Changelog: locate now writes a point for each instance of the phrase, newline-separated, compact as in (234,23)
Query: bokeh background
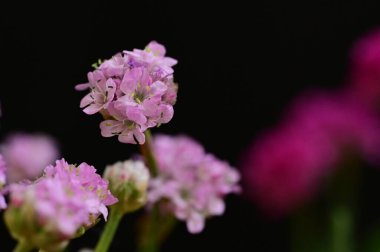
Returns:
(240,64)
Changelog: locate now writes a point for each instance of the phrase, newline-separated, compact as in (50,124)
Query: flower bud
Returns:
(128,181)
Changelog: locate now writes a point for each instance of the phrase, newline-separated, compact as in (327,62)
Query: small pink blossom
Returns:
(100,96)
(153,58)
(27,155)
(194,182)
(133,91)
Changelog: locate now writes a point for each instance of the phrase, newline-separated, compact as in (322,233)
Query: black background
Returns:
(239,65)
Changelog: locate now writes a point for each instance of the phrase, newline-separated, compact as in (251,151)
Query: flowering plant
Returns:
(173,178)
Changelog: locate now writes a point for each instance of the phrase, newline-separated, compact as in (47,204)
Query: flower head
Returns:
(27,155)
(84,177)
(134,91)
(193,181)
(129,183)
(56,207)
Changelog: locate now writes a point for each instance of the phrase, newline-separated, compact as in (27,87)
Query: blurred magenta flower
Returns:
(286,166)
(2,182)
(348,125)
(193,182)
(134,91)
(365,68)
(26,155)
(283,169)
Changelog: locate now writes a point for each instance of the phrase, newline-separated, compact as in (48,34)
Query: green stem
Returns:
(341,229)
(109,230)
(147,152)
(151,241)
(22,246)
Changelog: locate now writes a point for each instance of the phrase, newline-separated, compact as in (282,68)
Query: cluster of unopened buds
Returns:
(133,91)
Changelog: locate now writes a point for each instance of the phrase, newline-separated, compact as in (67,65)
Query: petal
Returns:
(196,223)
(167,113)
(136,115)
(156,48)
(129,83)
(93,108)
(3,204)
(151,107)
(127,137)
(111,128)
(158,88)
(216,206)
(82,86)
(169,61)
(104,211)
(139,136)
(87,100)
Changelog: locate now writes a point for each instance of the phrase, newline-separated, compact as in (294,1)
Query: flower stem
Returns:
(341,229)
(22,246)
(146,150)
(109,230)
(151,244)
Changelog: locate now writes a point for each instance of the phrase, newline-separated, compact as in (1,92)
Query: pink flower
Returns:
(66,200)
(153,58)
(127,131)
(100,96)
(3,204)
(49,212)
(134,91)
(365,68)
(286,167)
(27,155)
(85,178)
(194,182)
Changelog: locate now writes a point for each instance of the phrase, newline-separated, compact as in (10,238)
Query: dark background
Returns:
(239,66)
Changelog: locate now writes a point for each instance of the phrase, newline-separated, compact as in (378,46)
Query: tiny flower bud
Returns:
(128,181)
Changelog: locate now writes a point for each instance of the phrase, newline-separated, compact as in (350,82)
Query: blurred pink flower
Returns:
(85,177)
(26,155)
(194,182)
(2,182)
(48,212)
(285,167)
(57,207)
(365,68)
(133,90)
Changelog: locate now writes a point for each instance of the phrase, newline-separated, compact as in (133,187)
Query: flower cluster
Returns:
(129,183)
(285,167)
(2,182)
(84,177)
(134,91)
(53,209)
(193,181)
(27,155)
